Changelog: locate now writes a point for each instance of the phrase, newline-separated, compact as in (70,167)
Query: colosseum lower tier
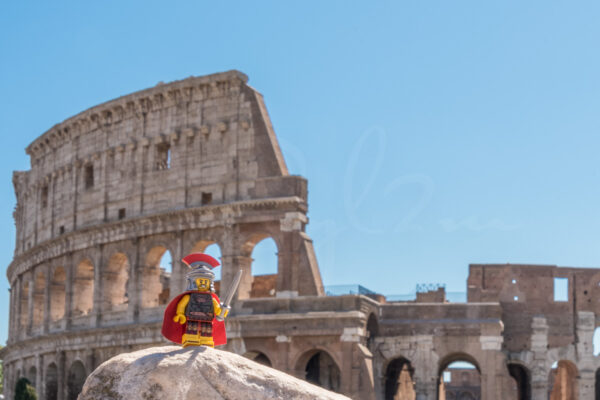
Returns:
(185,165)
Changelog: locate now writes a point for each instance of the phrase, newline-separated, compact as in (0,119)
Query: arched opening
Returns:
(51,382)
(562,381)
(322,370)
(598,384)
(155,280)
(372,329)
(522,381)
(83,288)
(75,380)
(32,376)
(596,341)
(24,305)
(57,294)
(264,268)
(264,257)
(459,378)
(258,357)
(399,384)
(39,292)
(166,268)
(114,283)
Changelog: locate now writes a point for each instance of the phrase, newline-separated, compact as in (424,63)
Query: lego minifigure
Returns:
(195,317)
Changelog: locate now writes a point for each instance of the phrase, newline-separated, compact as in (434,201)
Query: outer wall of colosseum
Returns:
(184,165)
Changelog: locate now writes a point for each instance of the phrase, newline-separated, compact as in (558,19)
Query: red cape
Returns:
(174,330)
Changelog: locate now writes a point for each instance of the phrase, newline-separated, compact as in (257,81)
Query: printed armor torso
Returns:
(200,307)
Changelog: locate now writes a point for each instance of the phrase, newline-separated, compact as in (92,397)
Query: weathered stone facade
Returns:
(184,165)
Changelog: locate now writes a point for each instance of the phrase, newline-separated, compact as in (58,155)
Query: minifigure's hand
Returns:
(179,318)
(225,311)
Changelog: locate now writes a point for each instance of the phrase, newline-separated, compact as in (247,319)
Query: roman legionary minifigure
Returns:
(195,317)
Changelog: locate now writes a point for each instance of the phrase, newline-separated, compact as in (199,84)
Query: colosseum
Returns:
(185,165)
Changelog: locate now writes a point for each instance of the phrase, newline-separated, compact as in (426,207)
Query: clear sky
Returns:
(433,134)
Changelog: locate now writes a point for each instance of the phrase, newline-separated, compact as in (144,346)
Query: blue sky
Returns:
(433,134)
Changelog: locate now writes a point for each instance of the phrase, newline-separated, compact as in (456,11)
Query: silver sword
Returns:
(232,289)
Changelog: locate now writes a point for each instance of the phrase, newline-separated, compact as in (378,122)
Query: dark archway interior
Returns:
(262,359)
(372,329)
(598,384)
(399,384)
(323,371)
(75,380)
(51,383)
(521,376)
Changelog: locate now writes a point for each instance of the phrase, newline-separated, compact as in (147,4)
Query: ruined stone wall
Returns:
(528,290)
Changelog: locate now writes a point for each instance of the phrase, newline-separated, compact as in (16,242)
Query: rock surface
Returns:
(171,372)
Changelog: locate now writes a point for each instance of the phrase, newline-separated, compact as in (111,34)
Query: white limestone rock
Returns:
(194,373)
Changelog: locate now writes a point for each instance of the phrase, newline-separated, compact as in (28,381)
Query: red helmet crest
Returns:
(194,260)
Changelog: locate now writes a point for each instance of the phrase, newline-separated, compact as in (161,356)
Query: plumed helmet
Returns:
(201,266)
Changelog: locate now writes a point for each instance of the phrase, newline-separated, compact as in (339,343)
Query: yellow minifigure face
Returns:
(203,284)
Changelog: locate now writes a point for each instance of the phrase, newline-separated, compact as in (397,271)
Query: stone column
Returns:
(133,289)
(177,284)
(62,375)
(70,272)
(346,367)
(30,304)
(90,361)
(39,384)
(12,313)
(426,368)
(17,320)
(47,291)
(539,347)
(298,271)
(98,287)
(586,323)
(281,359)
(234,258)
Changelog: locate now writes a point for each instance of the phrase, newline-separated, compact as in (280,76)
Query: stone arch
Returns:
(58,294)
(83,288)
(457,357)
(39,296)
(75,379)
(372,329)
(264,256)
(155,281)
(459,375)
(260,261)
(115,278)
(259,357)
(319,367)
(522,378)
(24,306)
(51,387)
(398,380)
(32,375)
(562,381)
(263,265)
